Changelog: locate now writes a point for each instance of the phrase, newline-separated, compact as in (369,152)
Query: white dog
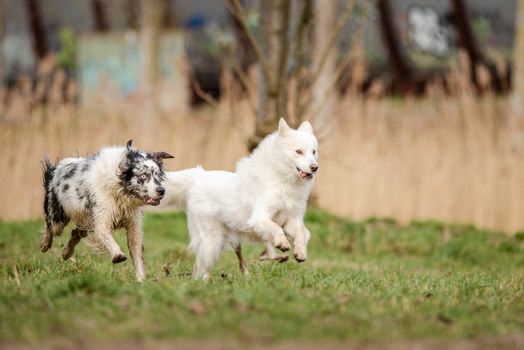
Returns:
(100,194)
(264,200)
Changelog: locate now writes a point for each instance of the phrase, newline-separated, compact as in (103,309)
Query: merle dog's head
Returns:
(141,174)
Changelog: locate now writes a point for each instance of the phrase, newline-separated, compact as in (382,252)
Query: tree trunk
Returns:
(274,27)
(467,39)
(99,15)
(37,28)
(324,13)
(518,61)
(2,32)
(152,16)
(131,13)
(402,72)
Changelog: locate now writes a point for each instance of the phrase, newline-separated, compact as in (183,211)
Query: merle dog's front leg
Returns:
(135,242)
(103,236)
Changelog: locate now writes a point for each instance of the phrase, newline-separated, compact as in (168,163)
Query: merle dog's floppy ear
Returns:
(283,128)
(129,144)
(306,126)
(159,156)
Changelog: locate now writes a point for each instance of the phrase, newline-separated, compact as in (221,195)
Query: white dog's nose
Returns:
(313,167)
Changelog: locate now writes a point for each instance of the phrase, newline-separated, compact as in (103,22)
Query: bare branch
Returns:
(342,65)
(305,19)
(333,40)
(202,94)
(244,80)
(236,10)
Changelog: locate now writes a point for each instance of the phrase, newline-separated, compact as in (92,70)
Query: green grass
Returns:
(363,281)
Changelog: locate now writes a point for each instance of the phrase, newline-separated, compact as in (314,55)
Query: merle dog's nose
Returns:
(160,191)
(313,167)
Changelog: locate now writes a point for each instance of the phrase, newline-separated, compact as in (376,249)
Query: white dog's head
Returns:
(299,149)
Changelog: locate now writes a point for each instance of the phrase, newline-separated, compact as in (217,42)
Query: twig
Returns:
(231,63)
(16,274)
(244,80)
(202,94)
(236,10)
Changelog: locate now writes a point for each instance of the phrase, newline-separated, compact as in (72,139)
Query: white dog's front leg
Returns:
(300,234)
(135,242)
(269,232)
(266,229)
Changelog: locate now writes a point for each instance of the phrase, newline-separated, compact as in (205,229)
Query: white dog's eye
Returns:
(314,151)
(299,151)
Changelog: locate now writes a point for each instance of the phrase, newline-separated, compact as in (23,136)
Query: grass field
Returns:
(364,282)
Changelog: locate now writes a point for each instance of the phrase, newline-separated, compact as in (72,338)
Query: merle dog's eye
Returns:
(299,151)
(143,177)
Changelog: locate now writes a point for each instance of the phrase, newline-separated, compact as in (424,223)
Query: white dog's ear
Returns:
(306,126)
(283,128)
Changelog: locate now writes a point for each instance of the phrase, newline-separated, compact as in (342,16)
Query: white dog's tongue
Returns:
(303,174)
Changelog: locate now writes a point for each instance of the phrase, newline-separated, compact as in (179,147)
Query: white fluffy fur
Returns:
(264,200)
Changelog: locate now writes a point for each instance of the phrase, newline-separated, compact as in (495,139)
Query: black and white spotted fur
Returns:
(100,194)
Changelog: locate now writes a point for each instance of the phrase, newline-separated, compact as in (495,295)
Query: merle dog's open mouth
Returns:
(153,201)
(302,174)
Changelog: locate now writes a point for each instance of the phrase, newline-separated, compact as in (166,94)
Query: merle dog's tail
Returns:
(177,184)
(48,169)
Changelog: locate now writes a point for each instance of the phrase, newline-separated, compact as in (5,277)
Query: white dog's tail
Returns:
(177,184)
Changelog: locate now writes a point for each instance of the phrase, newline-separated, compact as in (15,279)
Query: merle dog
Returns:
(100,194)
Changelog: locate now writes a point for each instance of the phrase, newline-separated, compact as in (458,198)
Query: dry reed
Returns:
(456,158)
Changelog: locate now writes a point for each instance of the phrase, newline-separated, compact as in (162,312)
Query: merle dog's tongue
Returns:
(152,201)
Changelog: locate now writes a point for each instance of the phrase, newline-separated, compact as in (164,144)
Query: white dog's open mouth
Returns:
(303,175)
(153,201)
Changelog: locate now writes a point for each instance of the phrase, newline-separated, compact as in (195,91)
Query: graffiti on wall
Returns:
(114,59)
(426,31)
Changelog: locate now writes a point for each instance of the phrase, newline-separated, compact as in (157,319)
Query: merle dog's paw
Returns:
(119,258)
(68,252)
(46,244)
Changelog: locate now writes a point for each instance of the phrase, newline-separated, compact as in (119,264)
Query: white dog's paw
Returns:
(201,277)
(282,243)
(279,258)
(140,279)
(300,257)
